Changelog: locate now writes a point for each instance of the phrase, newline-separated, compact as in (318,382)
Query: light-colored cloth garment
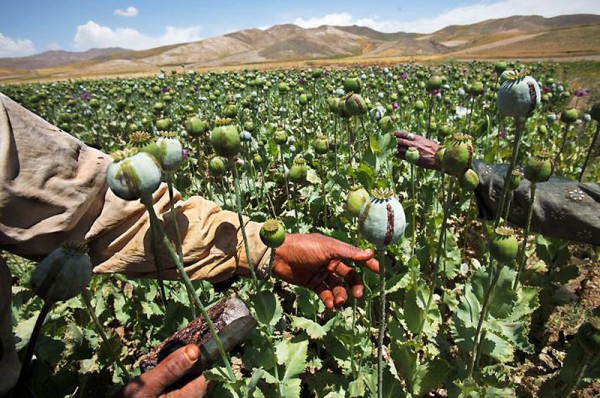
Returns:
(52,189)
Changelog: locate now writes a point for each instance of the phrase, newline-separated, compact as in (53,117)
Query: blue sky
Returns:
(33,26)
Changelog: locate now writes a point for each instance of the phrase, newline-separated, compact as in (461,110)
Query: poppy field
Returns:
(466,305)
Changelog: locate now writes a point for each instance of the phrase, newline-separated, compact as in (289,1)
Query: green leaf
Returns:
(554,252)
(290,388)
(267,308)
(504,297)
(217,374)
(313,329)
(293,356)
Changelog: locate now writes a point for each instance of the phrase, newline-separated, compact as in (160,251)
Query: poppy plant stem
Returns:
(157,225)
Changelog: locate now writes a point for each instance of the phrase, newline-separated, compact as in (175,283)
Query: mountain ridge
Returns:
(516,36)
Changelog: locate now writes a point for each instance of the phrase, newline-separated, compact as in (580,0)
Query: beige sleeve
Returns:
(53,189)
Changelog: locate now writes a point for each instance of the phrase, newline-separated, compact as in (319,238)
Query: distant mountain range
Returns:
(567,36)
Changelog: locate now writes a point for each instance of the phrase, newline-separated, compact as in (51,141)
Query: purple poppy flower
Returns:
(301,81)
(404,76)
(166,89)
(185,154)
(85,96)
(435,91)
(502,133)
(395,105)
(581,93)
(546,89)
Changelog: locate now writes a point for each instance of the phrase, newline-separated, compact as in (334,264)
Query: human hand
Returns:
(314,261)
(156,382)
(427,148)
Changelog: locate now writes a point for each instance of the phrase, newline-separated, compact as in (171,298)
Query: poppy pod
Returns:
(503,245)
(63,274)
(412,155)
(353,85)
(382,220)
(356,199)
(272,233)
(458,155)
(196,126)
(133,175)
(170,151)
(355,105)
(225,139)
(519,95)
(298,171)
(539,168)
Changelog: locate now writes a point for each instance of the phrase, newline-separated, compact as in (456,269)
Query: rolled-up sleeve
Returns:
(54,190)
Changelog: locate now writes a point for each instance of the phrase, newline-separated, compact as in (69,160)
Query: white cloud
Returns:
(336,19)
(93,35)
(53,46)
(10,47)
(459,16)
(128,12)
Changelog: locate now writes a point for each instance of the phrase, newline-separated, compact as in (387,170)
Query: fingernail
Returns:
(192,352)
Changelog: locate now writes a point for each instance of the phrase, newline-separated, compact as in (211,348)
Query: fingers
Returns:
(341,250)
(174,367)
(325,295)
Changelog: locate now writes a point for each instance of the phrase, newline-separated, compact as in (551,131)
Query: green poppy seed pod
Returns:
(272,233)
(132,175)
(504,76)
(458,155)
(503,245)
(518,96)
(196,126)
(226,140)
(475,89)
(298,171)
(249,126)
(217,166)
(143,142)
(163,124)
(94,103)
(589,335)
(303,99)
(515,180)
(355,105)
(439,155)
(412,155)
(500,67)
(356,199)
(539,167)
(283,88)
(257,159)
(433,83)
(62,274)
(321,145)
(352,85)
(419,106)
(333,103)
(230,110)
(569,115)
(317,73)
(469,180)
(595,112)
(550,117)
(280,136)
(387,124)
(381,220)
(170,151)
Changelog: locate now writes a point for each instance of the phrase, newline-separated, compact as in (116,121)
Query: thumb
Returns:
(173,368)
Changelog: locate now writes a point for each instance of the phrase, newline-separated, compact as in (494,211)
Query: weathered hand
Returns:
(314,261)
(156,382)
(427,149)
